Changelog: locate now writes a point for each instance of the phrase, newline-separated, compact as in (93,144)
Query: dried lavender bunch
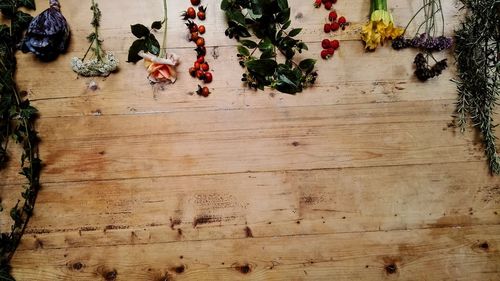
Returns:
(477,53)
(48,34)
(427,42)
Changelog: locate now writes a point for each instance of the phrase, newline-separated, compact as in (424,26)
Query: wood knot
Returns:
(295,143)
(248,232)
(110,275)
(180,269)
(485,246)
(245,269)
(77,266)
(391,268)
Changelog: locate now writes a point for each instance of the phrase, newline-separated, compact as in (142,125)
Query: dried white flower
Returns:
(95,67)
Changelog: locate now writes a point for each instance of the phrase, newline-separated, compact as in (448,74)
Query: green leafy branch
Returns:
(269,21)
(17,122)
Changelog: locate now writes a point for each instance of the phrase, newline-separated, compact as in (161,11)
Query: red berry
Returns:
(195,2)
(328,5)
(324,54)
(201,59)
(190,13)
(197,65)
(317,3)
(327,28)
(203,91)
(208,77)
(200,75)
(192,72)
(325,44)
(201,12)
(204,66)
(342,21)
(335,44)
(324,1)
(201,29)
(331,51)
(332,16)
(334,26)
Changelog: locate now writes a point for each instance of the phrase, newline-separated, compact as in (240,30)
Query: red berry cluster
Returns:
(335,23)
(329,48)
(200,67)
(328,3)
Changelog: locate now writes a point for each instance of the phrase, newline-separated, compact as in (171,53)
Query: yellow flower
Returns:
(379,29)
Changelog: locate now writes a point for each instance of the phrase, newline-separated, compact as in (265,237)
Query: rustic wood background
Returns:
(362,177)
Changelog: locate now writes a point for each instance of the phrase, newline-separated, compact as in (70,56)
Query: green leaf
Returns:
(156,25)
(152,45)
(266,45)
(283,4)
(256,7)
(21,21)
(243,51)
(249,44)
(139,30)
(283,16)
(224,5)
(286,25)
(307,65)
(137,46)
(5,275)
(294,32)
(264,67)
(29,4)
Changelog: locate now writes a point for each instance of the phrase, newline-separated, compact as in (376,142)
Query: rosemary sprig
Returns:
(477,53)
(17,122)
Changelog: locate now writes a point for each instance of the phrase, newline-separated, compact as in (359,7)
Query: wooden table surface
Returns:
(362,177)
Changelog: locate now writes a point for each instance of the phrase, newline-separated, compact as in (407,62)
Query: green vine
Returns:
(269,20)
(17,122)
(477,54)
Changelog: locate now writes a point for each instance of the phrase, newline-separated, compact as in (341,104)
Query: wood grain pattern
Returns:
(363,177)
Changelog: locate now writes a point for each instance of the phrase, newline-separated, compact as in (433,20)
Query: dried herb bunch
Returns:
(269,21)
(102,63)
(17,123)
(431,40)
(477,53)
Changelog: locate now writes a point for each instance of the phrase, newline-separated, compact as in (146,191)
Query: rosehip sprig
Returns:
(200,68)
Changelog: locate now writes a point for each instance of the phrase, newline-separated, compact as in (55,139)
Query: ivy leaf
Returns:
(294,32)
(139,30)
(133,52)
(29,4)
(5,274)
(156,25)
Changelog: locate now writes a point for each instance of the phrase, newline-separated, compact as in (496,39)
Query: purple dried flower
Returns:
(48,34)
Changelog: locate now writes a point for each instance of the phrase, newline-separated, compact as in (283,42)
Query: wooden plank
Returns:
(111,147)
(468,253)
(270,204)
